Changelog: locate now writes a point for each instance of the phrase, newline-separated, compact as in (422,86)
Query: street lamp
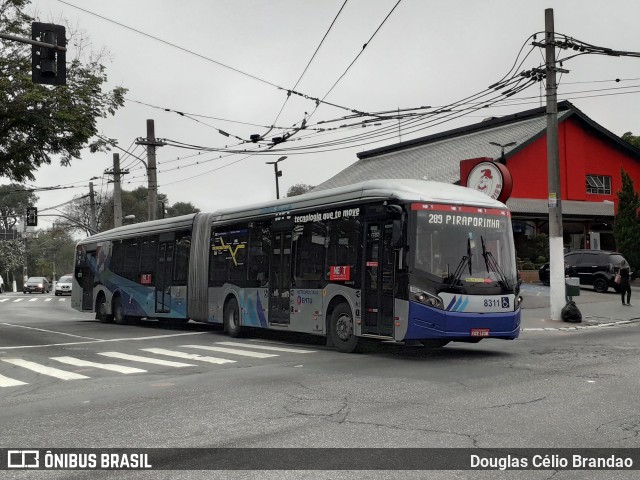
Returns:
(277,172)
(510,144)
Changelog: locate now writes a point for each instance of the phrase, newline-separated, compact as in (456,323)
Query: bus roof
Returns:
(387,189)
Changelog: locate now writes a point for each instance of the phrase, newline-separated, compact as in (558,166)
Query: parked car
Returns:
(36,284)
(63,285)
(596,268)
(1,284)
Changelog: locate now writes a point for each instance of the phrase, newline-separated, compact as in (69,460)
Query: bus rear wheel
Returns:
(118,312)
(232,318)
(101,310)
(341,329)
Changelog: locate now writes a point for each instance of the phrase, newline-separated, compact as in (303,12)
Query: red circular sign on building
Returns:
(492,179)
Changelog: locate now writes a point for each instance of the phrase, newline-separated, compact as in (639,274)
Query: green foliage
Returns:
(41,121)
(298,189)
(181,208)
(51,252)
(626,229)
(14,200)
(528,266)
(630,138)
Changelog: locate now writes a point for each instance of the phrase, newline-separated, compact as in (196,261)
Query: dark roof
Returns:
(438,156)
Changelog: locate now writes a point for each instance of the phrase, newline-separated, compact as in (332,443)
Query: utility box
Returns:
(572,286)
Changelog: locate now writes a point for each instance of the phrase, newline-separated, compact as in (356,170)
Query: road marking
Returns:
(48,299)
(188,356)
(50,371)
(4,300)
(60,299)
(233,351)
(97,340)
(33,300)
(105,366)
(137,358)
(264,347)
(10,382)
(48,331)
(18,300)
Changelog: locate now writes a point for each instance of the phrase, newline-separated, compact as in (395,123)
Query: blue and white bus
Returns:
(393,260)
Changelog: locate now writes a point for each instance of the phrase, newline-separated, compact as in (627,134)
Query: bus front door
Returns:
(85,277)
(163,276)
(280,279)
(379,279)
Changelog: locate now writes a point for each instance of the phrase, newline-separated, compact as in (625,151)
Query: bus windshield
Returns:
(463,245)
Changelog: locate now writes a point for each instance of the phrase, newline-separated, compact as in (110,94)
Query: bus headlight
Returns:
(426,298)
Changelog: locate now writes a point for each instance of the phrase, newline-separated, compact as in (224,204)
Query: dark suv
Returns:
(593,267)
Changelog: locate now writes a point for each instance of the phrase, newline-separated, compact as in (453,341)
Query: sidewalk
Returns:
(598,309)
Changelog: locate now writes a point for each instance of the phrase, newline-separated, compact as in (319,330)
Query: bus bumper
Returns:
(427,322)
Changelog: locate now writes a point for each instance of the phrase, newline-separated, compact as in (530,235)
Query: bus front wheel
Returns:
(341,329)
(101,310)
(232,318)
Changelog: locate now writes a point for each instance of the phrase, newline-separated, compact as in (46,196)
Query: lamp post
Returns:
(278,173)
(502,147)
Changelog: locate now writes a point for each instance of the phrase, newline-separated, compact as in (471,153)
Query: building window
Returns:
(599,184)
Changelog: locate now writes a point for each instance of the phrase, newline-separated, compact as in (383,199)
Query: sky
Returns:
(227,66)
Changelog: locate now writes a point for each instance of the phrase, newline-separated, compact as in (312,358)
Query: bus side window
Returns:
(258,258)
(343,247)
(309,241)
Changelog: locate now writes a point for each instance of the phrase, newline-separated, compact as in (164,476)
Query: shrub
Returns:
(528,266)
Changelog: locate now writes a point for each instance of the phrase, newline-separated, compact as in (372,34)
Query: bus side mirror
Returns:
(396,234)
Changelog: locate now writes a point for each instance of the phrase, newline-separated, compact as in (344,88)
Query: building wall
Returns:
(582,153)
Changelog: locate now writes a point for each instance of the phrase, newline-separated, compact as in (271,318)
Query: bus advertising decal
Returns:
(333,215)
(339,273)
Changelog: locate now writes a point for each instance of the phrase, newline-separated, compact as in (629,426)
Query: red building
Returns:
(591,159)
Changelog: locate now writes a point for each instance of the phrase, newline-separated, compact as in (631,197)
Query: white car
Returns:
(63,285)
(2,287)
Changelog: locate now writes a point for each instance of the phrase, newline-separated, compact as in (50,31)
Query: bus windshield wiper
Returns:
(466,259)
(492,264)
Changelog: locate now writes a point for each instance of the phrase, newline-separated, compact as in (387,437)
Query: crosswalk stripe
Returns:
(60,299)
(50,371)
(137,358)
(4,300)
(233,351)
(48,299)
(33,300)
(18,300)
(10,382)
(265,347)
(189,356)
(105,366)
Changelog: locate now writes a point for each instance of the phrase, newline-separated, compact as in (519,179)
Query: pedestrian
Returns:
(625,286)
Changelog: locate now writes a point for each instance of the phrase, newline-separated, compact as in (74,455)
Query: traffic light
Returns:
(32,217)
(48,65)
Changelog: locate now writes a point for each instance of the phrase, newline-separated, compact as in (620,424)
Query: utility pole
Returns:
(92,207)
(556,243)
(151,142)
(117,190)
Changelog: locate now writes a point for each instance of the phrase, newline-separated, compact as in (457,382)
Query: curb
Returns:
(581,327)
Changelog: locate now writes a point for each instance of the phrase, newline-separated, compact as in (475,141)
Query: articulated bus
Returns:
(394,260)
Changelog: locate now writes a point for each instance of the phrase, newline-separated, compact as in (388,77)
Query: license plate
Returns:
(479,332)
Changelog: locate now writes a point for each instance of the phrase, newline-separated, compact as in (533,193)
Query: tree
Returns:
(630,138)
(12,258)
(14,200)
(181,208)
(626,229)
(50,253)
(41,121)
(77,214)
(298,189)
(134,202)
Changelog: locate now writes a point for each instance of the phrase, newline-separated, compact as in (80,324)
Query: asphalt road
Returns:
(69,381)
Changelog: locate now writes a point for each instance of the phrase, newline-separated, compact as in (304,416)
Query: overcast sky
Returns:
(426,53)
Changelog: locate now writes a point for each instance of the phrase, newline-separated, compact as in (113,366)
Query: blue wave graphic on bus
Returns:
(458,304)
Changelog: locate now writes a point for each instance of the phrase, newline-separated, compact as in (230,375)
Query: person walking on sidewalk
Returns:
(625,286)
